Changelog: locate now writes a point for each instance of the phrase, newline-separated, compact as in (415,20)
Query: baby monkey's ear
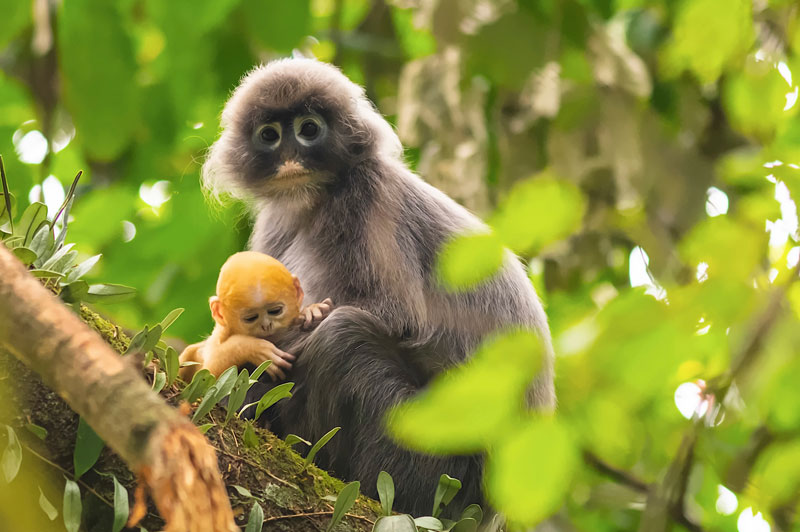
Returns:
(216,310)
(299,290)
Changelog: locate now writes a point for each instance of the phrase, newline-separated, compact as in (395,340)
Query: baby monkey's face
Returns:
(263,318)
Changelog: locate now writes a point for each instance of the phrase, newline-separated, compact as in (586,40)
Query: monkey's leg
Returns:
(192,353)
(349,374)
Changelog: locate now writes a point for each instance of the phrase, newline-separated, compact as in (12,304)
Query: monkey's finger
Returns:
(317,313)
(276,373)
(309,317)
(284,355)
(327,301)
(278,361)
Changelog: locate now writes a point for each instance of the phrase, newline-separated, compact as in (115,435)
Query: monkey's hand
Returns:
(239,349)
(312,315)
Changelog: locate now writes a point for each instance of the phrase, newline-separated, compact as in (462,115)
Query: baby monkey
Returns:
(258,300)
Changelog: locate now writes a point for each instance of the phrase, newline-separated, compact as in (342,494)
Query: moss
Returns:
(110,332)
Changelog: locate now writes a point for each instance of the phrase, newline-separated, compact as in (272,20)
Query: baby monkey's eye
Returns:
(309,128)
(251,318)
(277,311)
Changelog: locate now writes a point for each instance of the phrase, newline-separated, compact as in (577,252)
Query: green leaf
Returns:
(137,342)
(170,319)
(153,336)
(74,292)
(43,245)
(542,449)
(259,370)
(88,447)
(281,391)
(251,439)
(82,269)
(319,445)
(347,497)
(55,258)
(36,430)
(103,102)
(731,250)
(521,223)
(238,393)
(709,37)
(204,427)
(754,101)
(172,365)
(293,439)
(244,492)
(428,523)
(445,491)
(159,381)
(214,395)
(466,260)
(26,256)
(72,506)
(469,407)
(121,510)
(256,519)
(12,456)
(109,293)
(473,511)
(48,274)
(32,219)
(7,208)
(62,235)
(46,506)
(395,523)
(467,524)
(201,382)
(17,16)
(386,492)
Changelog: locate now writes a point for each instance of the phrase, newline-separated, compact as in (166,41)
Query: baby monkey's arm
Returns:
(236,350)
(313,314)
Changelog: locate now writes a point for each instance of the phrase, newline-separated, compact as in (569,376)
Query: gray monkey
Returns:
(323,172)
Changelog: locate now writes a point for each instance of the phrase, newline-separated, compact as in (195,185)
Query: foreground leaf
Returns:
(12,456)
(88,447)
(72,506)
(347,497)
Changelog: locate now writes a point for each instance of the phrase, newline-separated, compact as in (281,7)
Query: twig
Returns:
(316,514)
(617,474)
(257,466)
(6,196)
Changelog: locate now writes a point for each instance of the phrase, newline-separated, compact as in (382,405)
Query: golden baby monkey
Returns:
(257,300)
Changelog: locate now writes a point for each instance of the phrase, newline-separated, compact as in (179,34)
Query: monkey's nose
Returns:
(290,168)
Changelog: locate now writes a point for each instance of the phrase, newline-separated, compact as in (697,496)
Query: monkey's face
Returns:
(295,129)
(261,319)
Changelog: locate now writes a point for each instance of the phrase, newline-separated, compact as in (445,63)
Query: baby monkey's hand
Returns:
(312,315)
(281,360)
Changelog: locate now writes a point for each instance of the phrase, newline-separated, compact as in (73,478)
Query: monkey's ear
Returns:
(299,290)
(216,310)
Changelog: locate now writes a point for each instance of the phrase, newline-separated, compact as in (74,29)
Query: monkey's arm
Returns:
(313,314)
(238,349)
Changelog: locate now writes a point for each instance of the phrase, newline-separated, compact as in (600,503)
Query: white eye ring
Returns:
(309,129)
(268,135)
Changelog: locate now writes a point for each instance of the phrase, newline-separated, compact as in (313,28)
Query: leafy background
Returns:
(642,154)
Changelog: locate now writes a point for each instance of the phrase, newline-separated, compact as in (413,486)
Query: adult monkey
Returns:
(336,204)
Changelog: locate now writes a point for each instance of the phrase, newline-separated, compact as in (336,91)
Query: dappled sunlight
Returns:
(128,231)
(748,522)
(639,274)
(155,195)
(31,147)
(50,192)
(717,202)
(727,502)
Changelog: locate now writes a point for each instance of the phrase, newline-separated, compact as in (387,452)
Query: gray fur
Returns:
(365,232)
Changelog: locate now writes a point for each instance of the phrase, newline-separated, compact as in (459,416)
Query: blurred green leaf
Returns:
(541,449)
(26,256)
(46,506)
(467,260)
(88,447)
(72,506)
(104,102)
(471,406)
(109,293)
(172,365)
(121,511)
(710,36)
(730,249)
(256,520)
(276,24)
(754,101)
(428,523)
(538,211)
(11,459)
(30,222)
(201,382)
(16,17)
(36,430)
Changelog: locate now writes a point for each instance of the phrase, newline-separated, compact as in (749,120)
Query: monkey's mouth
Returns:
(292,172)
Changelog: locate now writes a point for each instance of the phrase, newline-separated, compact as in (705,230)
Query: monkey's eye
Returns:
(309,128)
(251,318)
(269,134)
(277,311)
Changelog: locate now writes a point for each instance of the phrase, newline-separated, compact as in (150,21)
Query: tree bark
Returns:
(165,450)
